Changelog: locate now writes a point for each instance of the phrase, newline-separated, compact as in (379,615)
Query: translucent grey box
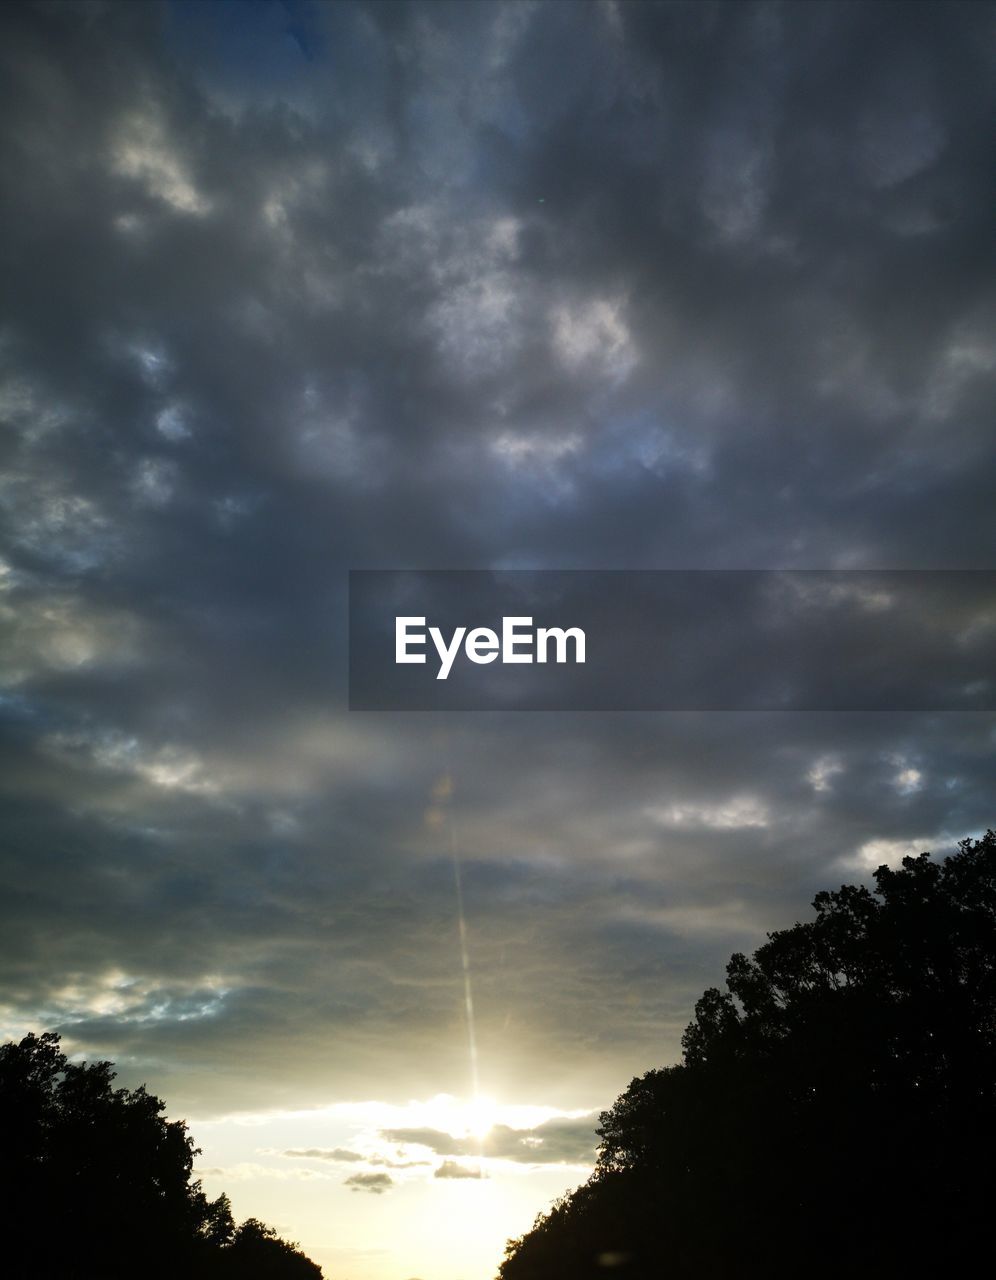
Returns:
(739,640)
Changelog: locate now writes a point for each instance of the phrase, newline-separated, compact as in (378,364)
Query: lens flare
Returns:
(480,1111)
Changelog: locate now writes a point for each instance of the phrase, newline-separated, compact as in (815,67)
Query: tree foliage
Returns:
(256,1252)
(834,1112)
(95,1182)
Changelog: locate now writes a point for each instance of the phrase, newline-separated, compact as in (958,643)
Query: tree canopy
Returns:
(96,1182)
(834,1113)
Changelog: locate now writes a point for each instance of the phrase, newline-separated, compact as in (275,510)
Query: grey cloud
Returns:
(375,1183)
(436,1139)
(556,1141)
(344,1156)
(451,1169)
(645,857)
(315,1153)
(576,286)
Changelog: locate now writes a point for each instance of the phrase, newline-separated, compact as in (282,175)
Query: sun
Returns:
(471,1116)
(479,1116)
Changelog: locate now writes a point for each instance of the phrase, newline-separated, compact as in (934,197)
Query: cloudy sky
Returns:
(293,288)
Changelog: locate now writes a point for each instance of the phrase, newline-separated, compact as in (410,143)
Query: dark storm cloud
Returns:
(475,285)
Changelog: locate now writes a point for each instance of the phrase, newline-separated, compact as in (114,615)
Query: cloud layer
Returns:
(492,285)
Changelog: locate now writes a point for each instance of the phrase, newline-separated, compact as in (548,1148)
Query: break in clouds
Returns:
(300,289)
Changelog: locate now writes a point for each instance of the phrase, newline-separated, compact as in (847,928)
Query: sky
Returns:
(290,289)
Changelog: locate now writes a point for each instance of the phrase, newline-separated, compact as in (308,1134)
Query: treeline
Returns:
(834,1113)
(94,1182)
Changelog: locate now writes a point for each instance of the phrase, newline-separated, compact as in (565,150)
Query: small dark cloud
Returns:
(375,1183)
(317,1153)
(443,1144)
(450,1169)
(556,1141)
(344,1156)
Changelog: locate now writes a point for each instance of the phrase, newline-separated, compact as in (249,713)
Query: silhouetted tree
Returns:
(834,1113)
(257,1253)
(94,1182)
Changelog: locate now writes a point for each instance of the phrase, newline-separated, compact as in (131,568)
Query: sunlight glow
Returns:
(480,1116)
